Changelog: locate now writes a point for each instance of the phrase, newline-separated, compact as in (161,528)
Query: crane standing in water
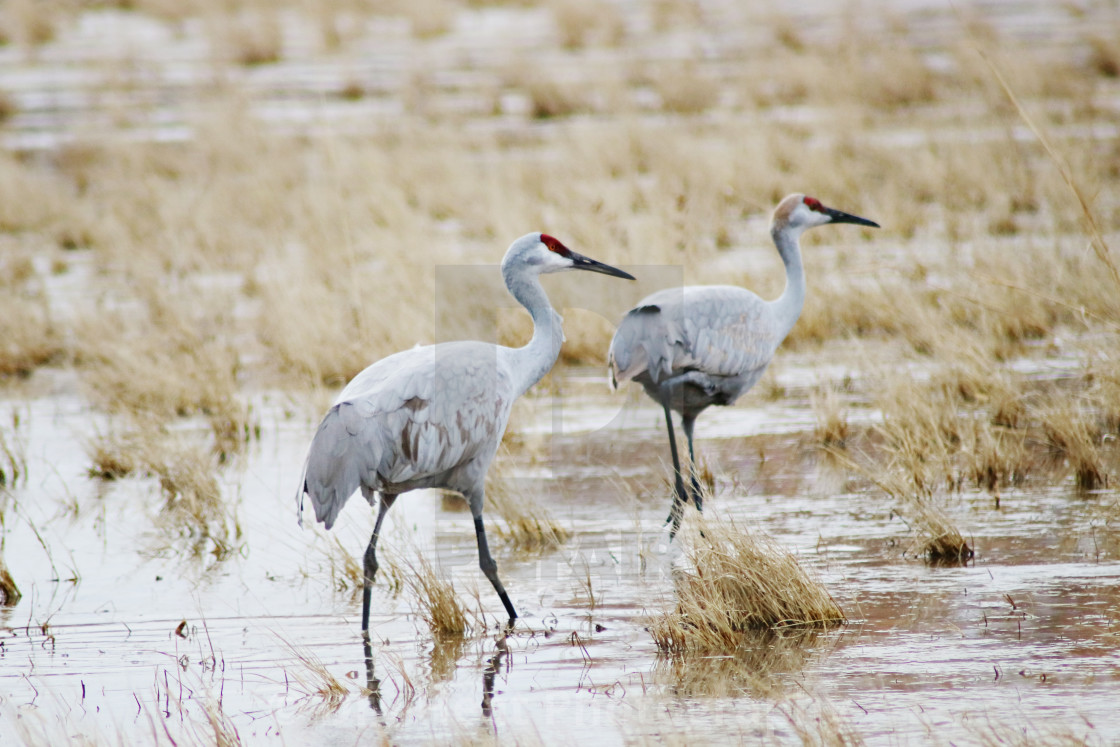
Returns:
(433,416)
(707,345)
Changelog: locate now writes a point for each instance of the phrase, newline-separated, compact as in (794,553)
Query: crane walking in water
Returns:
(707,345)
(433,416)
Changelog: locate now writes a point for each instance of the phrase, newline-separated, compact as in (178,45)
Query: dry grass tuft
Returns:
(1104,56)
(937,539)
(194,505)
(219,729)
(1074,436)
(995,456)
(115,456)
(167,368)
(348,574)
(438,603)
(13,456)
(8,106)
(581,23)
(832,422)
(251,38)
(524,522)
(313,679)
(9,591)
(550,98)
(740,582)
(684,90)
(29,22)
(29,338)
(187,472)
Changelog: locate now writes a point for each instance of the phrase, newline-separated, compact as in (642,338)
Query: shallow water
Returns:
(1024,635)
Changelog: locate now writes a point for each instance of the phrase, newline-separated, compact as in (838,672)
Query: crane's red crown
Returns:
(554,245)
(813,204)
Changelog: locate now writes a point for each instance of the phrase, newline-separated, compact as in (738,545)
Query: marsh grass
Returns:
(936,537)
(437,602)
(739,581)
(832,422)
(580,23)
(118,454)
(13,454)
(348,575)
(9,590)
(251,37)
(187,473)
(29,337)
(313,679)
(523,520)
(194,505)
(1074,437)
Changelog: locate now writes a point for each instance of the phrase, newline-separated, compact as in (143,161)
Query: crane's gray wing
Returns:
(720,330)
(405,419)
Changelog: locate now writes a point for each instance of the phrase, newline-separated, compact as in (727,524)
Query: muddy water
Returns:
(1025,636)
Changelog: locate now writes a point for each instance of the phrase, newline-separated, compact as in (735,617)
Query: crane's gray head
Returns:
(798,212)
(540,253)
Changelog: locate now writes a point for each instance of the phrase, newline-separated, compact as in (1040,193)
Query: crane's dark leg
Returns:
(679,494)
(687,422)
(370,568)
(485,562)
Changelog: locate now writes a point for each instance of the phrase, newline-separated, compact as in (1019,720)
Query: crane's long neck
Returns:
(788,305)
(534,360)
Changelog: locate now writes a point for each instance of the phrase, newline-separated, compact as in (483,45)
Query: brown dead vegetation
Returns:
(437,601)
(523,520)
(739,581)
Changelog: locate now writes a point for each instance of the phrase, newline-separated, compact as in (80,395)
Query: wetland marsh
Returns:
(212,215)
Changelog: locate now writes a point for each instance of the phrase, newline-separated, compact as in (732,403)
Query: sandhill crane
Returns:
(704,345)
(433,416)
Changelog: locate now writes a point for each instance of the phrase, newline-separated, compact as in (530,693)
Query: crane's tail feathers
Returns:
(646,340)
(344,456)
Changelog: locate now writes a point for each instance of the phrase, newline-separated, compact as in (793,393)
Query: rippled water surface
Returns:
(129,627)
(1025,635)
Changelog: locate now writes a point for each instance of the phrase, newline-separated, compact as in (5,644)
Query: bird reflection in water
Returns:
(493,666)
(489,674)
(373,685)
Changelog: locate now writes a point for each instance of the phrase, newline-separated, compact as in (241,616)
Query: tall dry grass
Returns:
(29,335)
(437,601)
(523,520)
(738,582)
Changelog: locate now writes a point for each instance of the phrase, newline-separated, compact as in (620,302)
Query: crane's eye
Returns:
(554,245)
(813,204)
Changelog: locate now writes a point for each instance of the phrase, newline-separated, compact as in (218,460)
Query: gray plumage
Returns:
(433,416)
(704,345)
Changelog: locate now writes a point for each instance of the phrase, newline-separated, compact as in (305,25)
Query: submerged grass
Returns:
(739,581)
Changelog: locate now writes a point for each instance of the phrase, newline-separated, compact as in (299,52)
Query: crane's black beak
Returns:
(839,216)
(580,262)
